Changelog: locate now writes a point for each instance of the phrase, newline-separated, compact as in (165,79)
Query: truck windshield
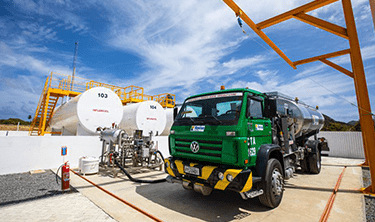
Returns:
(218,109)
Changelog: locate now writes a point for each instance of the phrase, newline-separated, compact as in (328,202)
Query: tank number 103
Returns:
(103,95)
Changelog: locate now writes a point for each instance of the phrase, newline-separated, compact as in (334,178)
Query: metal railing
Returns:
(129,94)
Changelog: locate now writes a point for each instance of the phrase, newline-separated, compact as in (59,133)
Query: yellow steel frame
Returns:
(59,85)
(358,74)
(166,100)
(372,6)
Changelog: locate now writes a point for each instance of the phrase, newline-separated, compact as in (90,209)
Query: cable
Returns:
(57,172)
(368,112)
(135,179)
(240,23)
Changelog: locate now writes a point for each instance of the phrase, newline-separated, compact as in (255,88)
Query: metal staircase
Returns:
(47,103)
(36,124)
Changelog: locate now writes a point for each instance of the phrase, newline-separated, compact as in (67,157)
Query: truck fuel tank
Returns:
(305,117)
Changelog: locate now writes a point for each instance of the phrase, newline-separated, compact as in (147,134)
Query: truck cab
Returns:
(233,140)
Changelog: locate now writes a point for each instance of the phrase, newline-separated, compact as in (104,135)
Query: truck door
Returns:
(259,128)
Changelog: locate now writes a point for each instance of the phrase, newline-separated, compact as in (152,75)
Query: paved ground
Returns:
(65,207)
(304,200)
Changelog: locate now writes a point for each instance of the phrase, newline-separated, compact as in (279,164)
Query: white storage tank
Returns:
(83,114)
(148,116)
(169,115)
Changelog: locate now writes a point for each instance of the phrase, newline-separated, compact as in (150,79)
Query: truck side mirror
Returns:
(269,108)
(175,112)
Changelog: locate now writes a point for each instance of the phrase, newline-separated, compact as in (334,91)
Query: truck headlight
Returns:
(172,132)
(231,133)
(220,175)
(230,178)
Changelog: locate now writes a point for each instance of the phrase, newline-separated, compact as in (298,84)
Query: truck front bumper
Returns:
(215,177)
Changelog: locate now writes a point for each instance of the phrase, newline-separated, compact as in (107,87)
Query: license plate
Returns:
(192,170)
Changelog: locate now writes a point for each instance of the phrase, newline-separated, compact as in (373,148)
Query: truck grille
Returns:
(211,148)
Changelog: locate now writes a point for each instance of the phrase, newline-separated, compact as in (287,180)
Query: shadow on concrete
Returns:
(340,165)
(320,189)
(219,206)
(122,178)
(50,193)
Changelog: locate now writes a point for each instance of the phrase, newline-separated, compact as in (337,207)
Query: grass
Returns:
(4,127)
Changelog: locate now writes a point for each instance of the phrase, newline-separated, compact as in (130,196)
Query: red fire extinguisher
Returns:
(65,177)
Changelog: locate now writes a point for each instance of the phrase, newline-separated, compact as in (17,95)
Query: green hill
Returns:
(14,121)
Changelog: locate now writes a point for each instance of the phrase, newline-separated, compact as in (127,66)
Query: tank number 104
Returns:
(103,95)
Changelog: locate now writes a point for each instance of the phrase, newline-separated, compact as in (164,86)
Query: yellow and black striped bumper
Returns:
(208,175)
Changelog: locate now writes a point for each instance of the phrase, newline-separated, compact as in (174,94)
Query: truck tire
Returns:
(315,163)
(305,165)
(273,185)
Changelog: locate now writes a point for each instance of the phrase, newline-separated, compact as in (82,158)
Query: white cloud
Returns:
(62,11)
(183,43)
(23,61)
(368,52)
(234,65)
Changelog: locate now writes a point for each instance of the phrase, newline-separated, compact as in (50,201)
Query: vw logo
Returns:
(194,146)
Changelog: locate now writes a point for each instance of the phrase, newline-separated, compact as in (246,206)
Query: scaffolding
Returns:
(59,85)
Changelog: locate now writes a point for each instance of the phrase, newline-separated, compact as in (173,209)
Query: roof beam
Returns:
(261,34)
(325,56)
(327,26)
(337,67)
(288,15)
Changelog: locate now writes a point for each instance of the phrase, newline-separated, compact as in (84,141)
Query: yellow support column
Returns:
(372,5)
(367,124)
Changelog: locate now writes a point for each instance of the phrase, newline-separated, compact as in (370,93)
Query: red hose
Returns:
(118,198)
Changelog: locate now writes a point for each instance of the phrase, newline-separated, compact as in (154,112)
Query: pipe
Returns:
(135,179)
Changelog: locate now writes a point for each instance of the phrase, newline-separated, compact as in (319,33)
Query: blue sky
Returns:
(181,47)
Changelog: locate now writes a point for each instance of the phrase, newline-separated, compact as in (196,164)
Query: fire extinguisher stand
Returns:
(65,174)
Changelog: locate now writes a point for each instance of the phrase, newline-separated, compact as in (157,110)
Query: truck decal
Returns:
(258,127)
(252,151)
(197,128)
(214,96)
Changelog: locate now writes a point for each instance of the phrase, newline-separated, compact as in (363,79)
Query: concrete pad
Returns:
(349,204)
(118,210)
(304,199)
(66,207)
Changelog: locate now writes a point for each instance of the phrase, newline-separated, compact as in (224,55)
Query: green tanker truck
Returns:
(245,141)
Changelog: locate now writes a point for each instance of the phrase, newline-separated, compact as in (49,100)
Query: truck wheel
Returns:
(315,163)
(273,185)
(304,165)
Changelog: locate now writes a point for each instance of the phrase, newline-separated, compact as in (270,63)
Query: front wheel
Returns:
(273,185)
